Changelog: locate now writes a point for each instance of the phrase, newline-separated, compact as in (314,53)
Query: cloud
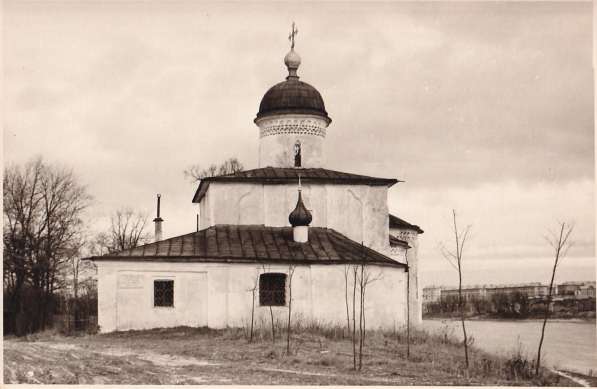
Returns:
(508,220)
(471,102)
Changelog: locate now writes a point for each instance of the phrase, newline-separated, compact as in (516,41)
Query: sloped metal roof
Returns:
(254,244)
(279,175)
(396,222)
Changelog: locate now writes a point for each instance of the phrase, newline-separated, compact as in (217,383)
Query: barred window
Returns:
(272,289)
(163,293)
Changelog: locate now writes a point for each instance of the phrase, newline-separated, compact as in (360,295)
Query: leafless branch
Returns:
(229,166)
(460,239)
(560,243)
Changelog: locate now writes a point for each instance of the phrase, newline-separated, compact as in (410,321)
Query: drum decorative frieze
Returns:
(295,126)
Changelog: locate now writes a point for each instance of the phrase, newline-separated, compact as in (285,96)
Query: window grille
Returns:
(163,293)
(272,289)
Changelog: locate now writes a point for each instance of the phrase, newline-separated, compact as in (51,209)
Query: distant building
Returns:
(431,294)
(569,288)
(586,291)
(468,293)
(532,290)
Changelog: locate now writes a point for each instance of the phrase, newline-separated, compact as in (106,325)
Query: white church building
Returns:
(256,225)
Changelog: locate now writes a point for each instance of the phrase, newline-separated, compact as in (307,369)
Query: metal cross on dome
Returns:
(292,34)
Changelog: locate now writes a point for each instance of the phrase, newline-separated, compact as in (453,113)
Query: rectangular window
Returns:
(272,289)
(163,293)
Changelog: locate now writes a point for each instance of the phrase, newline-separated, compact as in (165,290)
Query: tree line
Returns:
(45,238)
(500,304)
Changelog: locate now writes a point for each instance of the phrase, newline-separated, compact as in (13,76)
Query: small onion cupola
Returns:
(301,215)
(299,219)
(292,61)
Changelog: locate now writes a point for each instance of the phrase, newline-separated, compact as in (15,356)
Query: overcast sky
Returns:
(486,108)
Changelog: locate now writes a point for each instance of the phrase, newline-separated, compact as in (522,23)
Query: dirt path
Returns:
(48,362)
(579,381)
(52,362)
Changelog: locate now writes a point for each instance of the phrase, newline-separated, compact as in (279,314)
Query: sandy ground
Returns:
(187,356)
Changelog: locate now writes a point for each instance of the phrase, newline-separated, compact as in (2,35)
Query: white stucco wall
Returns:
(278,150)
(219,295)
(412,258)
(358,211)
(279,133)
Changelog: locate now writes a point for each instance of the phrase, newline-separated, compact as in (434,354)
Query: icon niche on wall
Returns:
(297,154)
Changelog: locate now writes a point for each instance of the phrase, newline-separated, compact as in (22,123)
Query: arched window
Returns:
(297,154)
(272,289)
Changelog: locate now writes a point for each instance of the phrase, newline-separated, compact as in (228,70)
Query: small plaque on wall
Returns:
(130,281)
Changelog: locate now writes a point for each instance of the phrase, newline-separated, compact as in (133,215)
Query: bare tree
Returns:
(407,305)
(229,166)
(22,225)
(43,206)
(127,230)
(291,269)
(365,279)
(355,270)
(99,244)
(454,258)
(271,314)
(561,244)
(361,277)
(346,276)
(79,272)
(361,313)
(75,266)
(253,289)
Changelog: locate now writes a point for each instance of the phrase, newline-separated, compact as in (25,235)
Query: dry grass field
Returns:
(202,356)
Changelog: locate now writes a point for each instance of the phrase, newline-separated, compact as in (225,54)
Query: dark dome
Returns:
(301,215)
(292,96)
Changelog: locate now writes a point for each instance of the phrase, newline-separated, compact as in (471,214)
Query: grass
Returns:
(321,354)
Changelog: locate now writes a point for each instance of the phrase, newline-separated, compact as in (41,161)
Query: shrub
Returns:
(518,366)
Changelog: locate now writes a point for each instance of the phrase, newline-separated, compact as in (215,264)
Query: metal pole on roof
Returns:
(158,222)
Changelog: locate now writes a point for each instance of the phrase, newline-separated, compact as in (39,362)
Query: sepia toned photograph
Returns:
(298,193)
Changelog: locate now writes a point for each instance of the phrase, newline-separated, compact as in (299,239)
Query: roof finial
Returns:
(299,186)
(292,59)
(292,34)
